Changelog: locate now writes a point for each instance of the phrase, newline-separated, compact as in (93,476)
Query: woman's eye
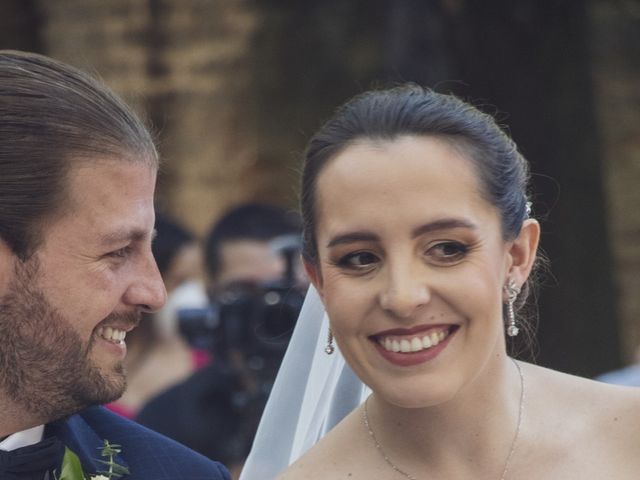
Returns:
(358,260)
(448,252)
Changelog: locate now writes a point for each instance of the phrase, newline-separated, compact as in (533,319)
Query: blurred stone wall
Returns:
(616,57)
(186,65)
(232,108)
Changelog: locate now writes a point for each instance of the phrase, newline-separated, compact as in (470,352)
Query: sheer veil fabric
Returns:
(312,393)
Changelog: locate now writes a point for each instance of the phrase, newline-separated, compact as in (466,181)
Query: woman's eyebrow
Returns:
(352,237)
(443,224)
(366,236)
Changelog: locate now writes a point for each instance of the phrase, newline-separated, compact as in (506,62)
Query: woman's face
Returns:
(411,265)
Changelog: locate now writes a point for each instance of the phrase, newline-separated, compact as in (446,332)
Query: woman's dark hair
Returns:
(53,116)
(413,110)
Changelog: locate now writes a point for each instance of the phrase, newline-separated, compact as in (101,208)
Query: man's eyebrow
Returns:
(125,234)
(366,236)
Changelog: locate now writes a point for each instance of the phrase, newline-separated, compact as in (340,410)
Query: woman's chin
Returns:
(417,396)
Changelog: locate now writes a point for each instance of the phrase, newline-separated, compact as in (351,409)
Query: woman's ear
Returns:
(314,274)
(523,251)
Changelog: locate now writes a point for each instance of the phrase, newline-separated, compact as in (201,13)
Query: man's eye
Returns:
(448,252)
(120,253)
(358,260)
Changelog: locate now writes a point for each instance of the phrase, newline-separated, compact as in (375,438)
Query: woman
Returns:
(419,241)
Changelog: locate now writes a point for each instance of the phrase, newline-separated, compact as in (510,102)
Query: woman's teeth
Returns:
(110,334)
(412,344)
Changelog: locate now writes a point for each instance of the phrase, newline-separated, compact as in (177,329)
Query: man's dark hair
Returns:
(53,117)
(252,221)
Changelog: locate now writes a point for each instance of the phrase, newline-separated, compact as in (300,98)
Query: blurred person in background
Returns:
(629,375)
(255,284)
(159,356)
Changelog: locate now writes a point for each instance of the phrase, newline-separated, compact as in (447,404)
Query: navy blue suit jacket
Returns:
(147,454)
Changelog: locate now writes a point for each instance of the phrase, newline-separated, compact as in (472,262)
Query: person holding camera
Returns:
(256,287)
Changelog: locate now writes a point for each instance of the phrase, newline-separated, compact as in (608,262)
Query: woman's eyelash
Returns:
(444,253)
(450,250)
(357,260)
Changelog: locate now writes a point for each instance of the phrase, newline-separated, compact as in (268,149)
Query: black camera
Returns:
(257,319)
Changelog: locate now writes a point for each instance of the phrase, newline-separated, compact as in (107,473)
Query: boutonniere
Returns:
(72,468)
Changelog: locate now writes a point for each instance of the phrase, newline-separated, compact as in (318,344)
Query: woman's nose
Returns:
(406,290)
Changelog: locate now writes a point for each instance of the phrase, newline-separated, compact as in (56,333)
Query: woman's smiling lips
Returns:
(406,347)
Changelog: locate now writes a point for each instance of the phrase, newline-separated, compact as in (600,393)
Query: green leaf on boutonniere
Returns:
(71,467)
(115,470)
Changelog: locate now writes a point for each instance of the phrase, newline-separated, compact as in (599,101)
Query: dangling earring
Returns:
(512,291)
(329,349)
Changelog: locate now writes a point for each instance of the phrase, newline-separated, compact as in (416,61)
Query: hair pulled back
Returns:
(52,115)
(413,110)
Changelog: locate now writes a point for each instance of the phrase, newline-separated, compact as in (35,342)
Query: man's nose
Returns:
(147,291)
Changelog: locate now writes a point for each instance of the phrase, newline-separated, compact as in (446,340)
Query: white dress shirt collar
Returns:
(23,438)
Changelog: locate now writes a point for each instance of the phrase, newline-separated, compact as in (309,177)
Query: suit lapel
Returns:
(78,436)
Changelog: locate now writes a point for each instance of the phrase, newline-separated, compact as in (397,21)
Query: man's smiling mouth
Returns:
(113,335)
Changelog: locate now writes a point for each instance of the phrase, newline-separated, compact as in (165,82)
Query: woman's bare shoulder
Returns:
(597,399)
(614,418)
(604,415)
(333,456)
(617,409)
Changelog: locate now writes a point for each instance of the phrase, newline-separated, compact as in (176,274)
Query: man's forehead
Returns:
(100,170)
(249,260)
(112,165)
(246,248)
(111,199)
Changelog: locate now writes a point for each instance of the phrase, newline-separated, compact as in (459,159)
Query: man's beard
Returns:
(45,367)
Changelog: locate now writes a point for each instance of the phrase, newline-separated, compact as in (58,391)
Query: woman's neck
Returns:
(474,430)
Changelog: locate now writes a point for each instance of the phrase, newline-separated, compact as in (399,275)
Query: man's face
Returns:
(248,261)
(64,312)
(245,264)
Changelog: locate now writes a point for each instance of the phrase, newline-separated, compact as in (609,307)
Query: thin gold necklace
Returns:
(511,450)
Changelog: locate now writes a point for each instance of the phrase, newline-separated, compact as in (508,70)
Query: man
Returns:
(77,178)
(251,254)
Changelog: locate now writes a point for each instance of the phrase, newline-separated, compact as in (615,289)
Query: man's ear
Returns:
(314,274)
(523,251)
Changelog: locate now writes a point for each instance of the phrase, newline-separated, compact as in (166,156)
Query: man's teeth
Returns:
(412,344)
(114,335)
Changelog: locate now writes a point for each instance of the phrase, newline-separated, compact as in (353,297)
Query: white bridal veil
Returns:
(312,393)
